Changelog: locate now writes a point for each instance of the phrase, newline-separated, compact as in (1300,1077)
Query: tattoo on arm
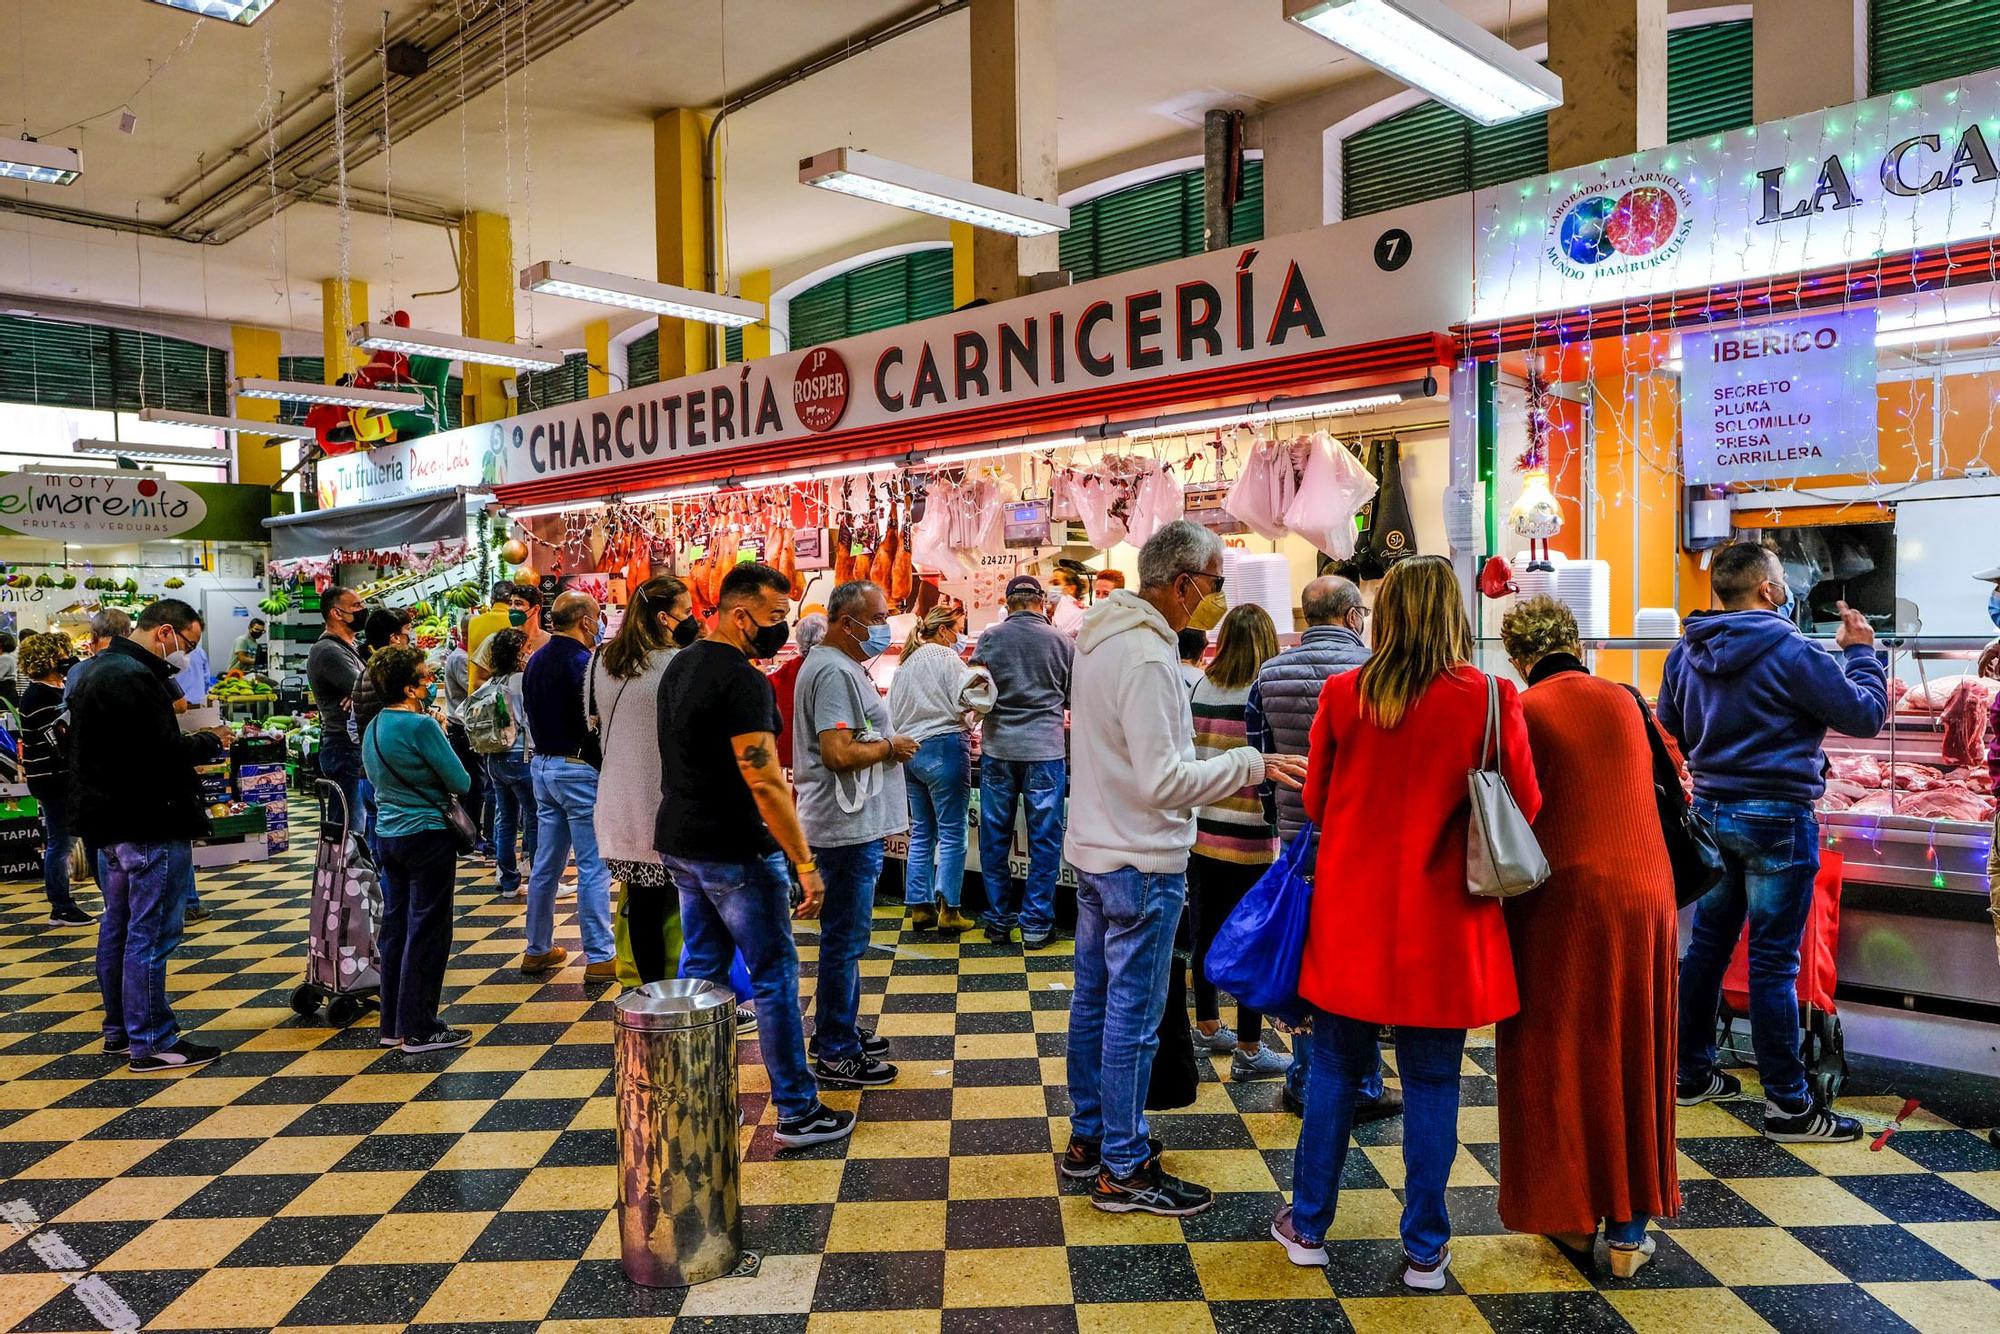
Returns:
(756,757)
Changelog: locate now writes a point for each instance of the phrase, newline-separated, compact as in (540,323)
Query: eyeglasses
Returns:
(1204,574)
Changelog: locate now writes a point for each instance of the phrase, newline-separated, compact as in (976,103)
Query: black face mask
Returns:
(768,639)
(686,632)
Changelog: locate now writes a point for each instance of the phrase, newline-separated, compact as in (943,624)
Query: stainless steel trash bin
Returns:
(679,1221)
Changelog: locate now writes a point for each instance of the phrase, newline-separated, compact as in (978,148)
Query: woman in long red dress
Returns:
(1395,937)
(1587,1067)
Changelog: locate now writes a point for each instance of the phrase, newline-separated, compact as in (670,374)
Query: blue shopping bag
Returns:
(1257,953)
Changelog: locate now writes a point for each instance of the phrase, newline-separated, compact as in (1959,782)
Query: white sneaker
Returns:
(1427,1280)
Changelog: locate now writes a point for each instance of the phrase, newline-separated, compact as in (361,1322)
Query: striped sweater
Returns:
(1235,828)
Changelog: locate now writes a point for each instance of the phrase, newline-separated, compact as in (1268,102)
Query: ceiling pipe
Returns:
(825,60)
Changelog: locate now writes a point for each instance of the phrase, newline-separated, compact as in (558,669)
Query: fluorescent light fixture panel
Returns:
(229,11)
(240,425)
(615,289)
(126,449)
(865,176)
(39,163)
(340,395)
(453,347)
(1427,45)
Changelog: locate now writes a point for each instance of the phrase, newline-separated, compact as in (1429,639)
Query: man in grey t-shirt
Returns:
(1021,760)
(848,770)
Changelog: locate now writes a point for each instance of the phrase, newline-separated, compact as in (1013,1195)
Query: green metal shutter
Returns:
(1153,222)
(148,370)
(642,359)
(1509,152)
(1912,42)
(552,388)
(878,296)
(311,370)
(454,403)
(930,284)
(1708,80)
(819,314)
(1246,220)
(732,346)
(58,364)
(874,296)
(1422,153)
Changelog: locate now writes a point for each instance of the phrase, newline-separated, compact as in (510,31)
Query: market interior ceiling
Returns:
(565,149)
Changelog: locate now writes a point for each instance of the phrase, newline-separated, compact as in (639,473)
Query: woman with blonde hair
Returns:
(1587,1067)
(1394,936)
(929,700)
(1235,839)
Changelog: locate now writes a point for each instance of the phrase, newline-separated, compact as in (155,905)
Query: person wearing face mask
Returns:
(727,826)
(847,764)
(333,670)
(1750,700)
(249,654)
(1134,784)
(622,702)
(45,767)
(490,619)
(1279,719)
(565,771)
(135,798)
(932,697)
(524,613)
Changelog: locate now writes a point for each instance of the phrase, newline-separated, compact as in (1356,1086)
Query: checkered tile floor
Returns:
(310,1180)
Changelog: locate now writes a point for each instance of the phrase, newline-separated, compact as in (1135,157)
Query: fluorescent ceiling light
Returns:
(865,176)
(241,425)
(339,395)
(229,11)
(556,507)
(675,493)
(454,347)
(126,449)
(1251,415)
(615,289)
(821,474)
(1929,333)
(1428,46)
(999,451)
(39,163)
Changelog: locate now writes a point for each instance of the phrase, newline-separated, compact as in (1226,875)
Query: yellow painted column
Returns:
(597,351)
(756,286)
(486,309)
(254,353)
(679,228)
(1015,92)
(963,286)
(341,308)
(1612,58)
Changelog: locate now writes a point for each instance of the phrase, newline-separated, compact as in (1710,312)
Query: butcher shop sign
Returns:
(1794,398)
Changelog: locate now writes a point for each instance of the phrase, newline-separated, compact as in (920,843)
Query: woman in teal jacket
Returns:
(415,775)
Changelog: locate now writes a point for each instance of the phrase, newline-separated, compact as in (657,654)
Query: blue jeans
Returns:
(1344,1054)
(1125,924)
(146,889)
(1770,851)
(939,783)
(1300,1070)
(747,906)
(566,806)
(512,788)
(418,872)
(1040,783)
(55,851)
(850,874)
(1629,1232)
(340,764)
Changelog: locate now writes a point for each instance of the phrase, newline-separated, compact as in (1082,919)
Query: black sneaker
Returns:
(996,934)
(1717,1085)
(871,1045)
(118,1045)
(856,1070)
(438,1039)
(1814,1125)
(822,1125)
(1374,1109)
(183,1055)
(197,912)
(1037,940)
(1081,1160)
(1149,1191)
(70,916)
(746,1021)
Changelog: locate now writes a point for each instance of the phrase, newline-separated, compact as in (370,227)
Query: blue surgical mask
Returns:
(878,640)
(1993,607)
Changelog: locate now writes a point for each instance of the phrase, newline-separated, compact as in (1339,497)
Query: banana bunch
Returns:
(241,687)
(277,604)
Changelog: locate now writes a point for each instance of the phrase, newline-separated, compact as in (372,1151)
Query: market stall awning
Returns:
(383,525)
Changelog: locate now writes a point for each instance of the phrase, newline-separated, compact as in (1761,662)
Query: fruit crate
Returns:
(249,822)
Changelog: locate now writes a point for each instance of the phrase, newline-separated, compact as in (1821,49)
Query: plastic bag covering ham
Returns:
(1965,722)
(1331,492)
(1930,696)
(1263,489)
(930,536)
(1096,503)
(1157,500)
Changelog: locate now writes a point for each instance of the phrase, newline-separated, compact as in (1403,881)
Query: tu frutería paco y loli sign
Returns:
(1841,186)
(1792,398)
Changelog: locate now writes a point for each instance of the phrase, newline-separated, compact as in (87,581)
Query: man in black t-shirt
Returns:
(726,828)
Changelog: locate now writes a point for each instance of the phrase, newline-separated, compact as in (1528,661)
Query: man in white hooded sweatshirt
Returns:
(1134,784)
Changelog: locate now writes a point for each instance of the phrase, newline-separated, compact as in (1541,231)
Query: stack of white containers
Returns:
(1584,586)
(1533,583)
(1259,579)
(1656,623)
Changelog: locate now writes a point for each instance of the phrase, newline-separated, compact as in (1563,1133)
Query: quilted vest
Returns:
(1288,689)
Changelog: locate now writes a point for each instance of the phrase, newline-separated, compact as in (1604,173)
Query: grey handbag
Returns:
(1502,858)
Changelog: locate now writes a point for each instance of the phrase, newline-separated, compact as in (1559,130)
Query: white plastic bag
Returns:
(1157,501)
(1331,492)
(1257,495)
(1095,499)
(930,544)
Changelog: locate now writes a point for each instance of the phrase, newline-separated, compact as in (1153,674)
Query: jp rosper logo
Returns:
(1624,225)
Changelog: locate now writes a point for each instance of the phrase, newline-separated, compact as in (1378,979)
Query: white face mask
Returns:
(177,660)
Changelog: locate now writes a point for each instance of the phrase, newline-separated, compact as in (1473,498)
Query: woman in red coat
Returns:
(1395,937)
(1587,1066)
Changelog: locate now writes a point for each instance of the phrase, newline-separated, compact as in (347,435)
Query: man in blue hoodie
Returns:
(1750,700)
